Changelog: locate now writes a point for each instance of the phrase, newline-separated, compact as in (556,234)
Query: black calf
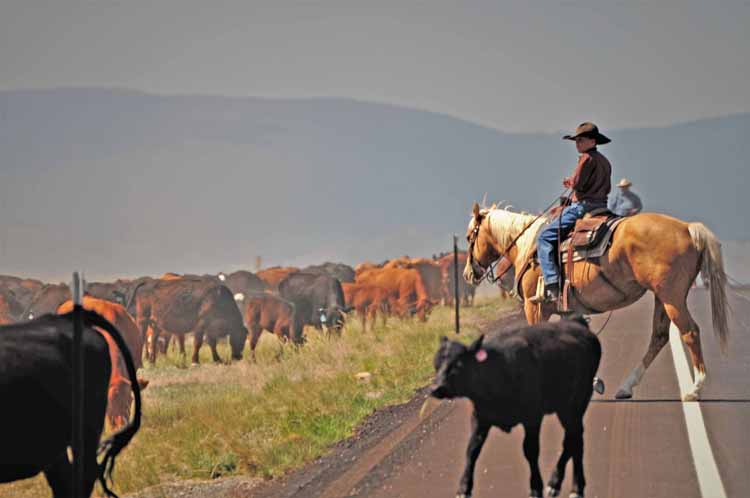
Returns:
(517,378)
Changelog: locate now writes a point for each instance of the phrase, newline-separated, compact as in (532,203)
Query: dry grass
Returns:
(262,419)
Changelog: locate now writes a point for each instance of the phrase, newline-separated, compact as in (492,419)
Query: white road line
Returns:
(709,479)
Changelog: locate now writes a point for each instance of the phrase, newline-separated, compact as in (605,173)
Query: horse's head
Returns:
(481,252)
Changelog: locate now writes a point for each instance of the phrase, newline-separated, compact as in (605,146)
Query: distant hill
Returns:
(119,182)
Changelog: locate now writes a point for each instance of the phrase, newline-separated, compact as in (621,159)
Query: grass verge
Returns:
(264,418)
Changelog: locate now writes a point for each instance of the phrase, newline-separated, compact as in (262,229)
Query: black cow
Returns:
(318,299)
(243,284)
(517,378)
(340,271)
(35,386)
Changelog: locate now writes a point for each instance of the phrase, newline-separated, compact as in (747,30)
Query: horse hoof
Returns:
(690,397)
(552,491)
(461,495)
(598,385)
(575,495)
(194,364)
(623,394)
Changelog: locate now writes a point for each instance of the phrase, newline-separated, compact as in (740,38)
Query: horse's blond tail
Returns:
(712,271)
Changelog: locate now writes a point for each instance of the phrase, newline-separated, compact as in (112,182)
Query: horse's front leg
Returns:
(536,313)
(479,431)
(659,337)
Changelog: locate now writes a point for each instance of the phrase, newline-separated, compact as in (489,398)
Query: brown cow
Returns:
(430,271)
(47,300)
(366,300)
(271,313)
(5,314)
(120,395)
(272,276)
(364,267)
(18,292)
(465,290)
(197,305)
(404,289)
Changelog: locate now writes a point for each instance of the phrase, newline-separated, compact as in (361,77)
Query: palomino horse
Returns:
(648,252)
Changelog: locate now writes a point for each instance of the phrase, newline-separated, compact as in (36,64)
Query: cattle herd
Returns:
(152,312)
(511,379)
(136,319)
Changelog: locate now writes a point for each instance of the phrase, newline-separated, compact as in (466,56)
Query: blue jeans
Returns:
(546,241)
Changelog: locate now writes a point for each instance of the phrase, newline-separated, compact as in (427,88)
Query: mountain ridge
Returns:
(202,183)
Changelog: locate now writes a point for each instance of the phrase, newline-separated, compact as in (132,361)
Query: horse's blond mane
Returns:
(505,225)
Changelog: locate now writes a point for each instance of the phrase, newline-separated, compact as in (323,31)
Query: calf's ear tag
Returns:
(481,355)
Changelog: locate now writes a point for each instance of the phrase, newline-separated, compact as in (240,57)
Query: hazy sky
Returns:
(514,65)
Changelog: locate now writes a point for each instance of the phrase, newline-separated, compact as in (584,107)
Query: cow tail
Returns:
(112,446)
(131,297)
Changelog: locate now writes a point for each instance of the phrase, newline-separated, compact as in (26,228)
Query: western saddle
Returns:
(589,240)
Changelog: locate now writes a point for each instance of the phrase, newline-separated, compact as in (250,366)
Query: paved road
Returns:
(633,449)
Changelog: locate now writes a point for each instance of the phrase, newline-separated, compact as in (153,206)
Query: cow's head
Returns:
(237,341)
(454,365)
(334,317)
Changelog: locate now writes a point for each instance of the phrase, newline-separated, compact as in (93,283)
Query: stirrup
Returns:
(547,296)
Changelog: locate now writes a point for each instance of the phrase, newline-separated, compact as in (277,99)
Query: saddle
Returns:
(591,232)
(589,240)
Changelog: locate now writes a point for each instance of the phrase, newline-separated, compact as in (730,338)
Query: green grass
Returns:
(264,418)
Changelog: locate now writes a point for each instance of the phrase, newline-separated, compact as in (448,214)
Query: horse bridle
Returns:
(488,272)
(476,268)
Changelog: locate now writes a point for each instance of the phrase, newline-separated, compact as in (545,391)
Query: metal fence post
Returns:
(78,390)
(455,281)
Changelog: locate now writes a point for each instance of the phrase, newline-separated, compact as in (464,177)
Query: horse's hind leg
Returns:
(659,337)
(691,337)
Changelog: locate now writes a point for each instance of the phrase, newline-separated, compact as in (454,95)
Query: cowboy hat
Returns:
(589,130)
(624,183)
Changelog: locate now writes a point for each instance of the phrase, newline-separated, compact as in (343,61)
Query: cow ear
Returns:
(475,210)
(476,345)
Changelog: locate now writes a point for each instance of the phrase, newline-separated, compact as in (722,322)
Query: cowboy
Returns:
(591,183)
(625,202)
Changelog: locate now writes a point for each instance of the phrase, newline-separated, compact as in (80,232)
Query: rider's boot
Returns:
(551,294)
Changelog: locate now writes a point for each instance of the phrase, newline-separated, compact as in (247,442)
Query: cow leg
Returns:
(256,331)
(531,452)
(181,342)
(659,337)
(155,331)
(282,333)
(574,443)
(479,431)
(59,475)
(573,437)
(211,340)
(372,314)
(197,343)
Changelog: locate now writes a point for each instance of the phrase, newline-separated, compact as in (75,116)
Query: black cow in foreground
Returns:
(517,378)
(318,299)
(36,415)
